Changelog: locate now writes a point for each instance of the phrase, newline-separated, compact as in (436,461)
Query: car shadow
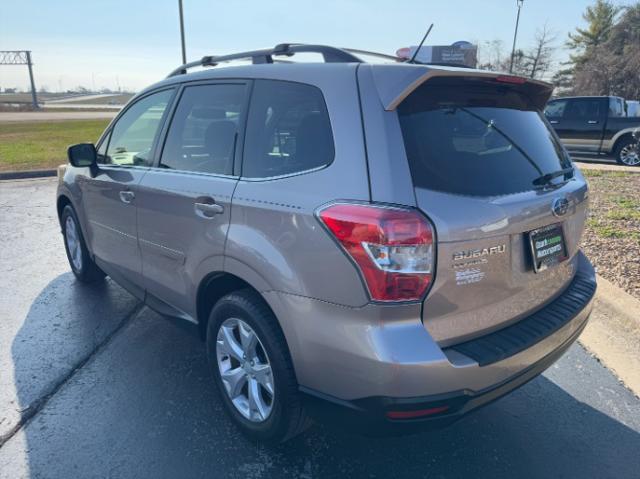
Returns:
(144,406)
(65,323)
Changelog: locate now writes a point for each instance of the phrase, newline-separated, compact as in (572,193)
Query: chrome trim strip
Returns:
(109,228)
(164,250)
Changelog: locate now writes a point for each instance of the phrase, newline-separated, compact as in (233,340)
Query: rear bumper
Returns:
(358,364)
(551,330)
(369,415)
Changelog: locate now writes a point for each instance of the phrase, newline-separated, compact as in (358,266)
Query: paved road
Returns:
(602,166)
(128,394)
(19,116)
(603,160)
(74,98)
(82,106)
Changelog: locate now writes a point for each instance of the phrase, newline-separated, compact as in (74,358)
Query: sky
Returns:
(130,44)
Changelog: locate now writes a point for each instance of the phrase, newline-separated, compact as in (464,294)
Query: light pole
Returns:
(515,34)
(184,50)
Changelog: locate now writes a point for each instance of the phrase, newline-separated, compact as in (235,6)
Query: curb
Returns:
(613,333)
(20,175)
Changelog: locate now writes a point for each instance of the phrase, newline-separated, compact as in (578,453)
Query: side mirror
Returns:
(83,155)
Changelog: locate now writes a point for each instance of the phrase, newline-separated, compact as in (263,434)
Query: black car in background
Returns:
(595,125)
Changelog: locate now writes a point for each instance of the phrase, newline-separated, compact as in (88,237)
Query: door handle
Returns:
(554,122)
(593,122)
(208,210)
(127,196)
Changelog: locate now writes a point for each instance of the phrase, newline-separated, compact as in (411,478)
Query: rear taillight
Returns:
(393,247)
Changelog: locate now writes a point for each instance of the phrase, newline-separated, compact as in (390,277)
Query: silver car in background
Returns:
(384,245)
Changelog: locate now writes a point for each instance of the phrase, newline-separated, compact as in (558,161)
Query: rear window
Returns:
(477,138)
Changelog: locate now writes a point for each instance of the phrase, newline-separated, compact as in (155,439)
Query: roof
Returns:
(394,80)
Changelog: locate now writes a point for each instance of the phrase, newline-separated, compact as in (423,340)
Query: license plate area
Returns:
(548,247)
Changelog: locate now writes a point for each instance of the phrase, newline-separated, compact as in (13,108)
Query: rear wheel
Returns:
(628,152)
(82,265)
(252,368)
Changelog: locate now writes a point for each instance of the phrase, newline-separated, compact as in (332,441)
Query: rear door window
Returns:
(288,130)
(203,132)
(584,109)
(480,140)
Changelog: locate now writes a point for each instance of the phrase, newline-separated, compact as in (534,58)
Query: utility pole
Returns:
(515,35)
(184,50)
(34,96)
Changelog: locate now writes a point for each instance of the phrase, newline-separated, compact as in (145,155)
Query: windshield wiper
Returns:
(545,179)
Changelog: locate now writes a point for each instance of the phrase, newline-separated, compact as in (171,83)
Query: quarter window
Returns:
(134,133)
(288,130)
(202,135)
(616,108)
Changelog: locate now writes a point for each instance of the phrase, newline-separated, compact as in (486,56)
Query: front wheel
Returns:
(82,265)
(252,368)
(628,152)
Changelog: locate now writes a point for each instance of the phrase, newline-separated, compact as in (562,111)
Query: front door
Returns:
(109,195)
(184,202)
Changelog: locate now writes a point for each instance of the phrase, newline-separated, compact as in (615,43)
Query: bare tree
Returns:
(540,57)
(533,62)
(491,55)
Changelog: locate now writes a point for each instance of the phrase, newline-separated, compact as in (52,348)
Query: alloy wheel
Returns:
(630,154)
(73,243)
(245,370)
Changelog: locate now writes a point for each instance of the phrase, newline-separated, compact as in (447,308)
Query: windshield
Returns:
(478,139)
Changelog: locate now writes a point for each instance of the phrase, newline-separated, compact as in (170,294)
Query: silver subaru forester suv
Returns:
(384,245)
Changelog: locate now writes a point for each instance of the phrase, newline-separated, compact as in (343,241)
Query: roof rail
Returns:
(330,54)
(374,54)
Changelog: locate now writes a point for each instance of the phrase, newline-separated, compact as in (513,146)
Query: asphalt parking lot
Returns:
(94,385)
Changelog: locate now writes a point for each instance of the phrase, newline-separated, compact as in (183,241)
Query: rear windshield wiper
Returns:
(545,179)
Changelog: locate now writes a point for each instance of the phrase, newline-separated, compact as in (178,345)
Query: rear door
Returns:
(582,124)
(109,195)
(184,201)
(477,154)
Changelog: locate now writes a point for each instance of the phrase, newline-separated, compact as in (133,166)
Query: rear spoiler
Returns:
(396,82)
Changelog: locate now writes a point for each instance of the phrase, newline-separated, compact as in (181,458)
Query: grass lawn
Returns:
(38,145)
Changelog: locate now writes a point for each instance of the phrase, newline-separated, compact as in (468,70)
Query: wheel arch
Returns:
(620,137)
(213,287)
(62,201)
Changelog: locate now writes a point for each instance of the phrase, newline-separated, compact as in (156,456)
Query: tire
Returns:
(82,266)
(622,152)
(286,417)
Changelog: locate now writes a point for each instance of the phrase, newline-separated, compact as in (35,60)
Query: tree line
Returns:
(605,58)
